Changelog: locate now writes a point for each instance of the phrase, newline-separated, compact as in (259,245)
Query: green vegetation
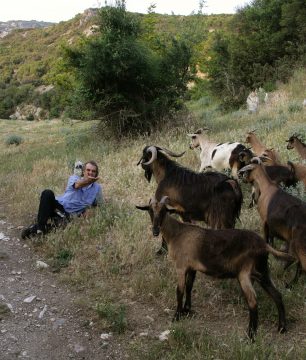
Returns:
(115,316)
(13,140)
(122,80)
(264,43)
(138,79)
(30,59)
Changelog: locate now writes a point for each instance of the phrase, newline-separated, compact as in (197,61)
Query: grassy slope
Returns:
(113,262)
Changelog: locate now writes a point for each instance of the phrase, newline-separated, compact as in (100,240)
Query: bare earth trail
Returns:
(48,325)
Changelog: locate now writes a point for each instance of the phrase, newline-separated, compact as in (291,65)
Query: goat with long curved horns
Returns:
(211,197)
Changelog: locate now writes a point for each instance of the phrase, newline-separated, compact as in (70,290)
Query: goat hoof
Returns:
(251,335)
(161,252)
(188,312)
(282,329)
(177,317)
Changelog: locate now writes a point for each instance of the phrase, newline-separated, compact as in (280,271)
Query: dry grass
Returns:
(111,255)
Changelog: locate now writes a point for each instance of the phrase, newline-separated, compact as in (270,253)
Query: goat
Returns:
(281,175)
(299,171)
(295,142)
(259,149)
(226,253)
(229,155)
(211,197)
(282,214)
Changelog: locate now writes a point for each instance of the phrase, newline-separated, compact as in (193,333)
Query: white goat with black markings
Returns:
(222,156)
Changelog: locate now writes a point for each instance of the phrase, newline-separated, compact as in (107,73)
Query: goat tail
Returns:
(280,254)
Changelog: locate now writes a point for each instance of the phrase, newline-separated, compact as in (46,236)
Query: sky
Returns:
(62,10)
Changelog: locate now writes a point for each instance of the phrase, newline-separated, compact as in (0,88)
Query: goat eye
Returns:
(193,137)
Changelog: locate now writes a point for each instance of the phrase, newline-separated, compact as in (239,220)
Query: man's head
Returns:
(91,169)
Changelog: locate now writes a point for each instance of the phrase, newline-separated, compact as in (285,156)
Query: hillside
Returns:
(8,26)
(33,57)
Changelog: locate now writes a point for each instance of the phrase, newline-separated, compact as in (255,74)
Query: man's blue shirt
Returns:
(77,200)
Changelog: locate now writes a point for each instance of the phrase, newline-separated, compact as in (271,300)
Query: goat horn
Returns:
(171,153)
(152,200)
(153,151)
(140,161)
(164,199)
(246,168)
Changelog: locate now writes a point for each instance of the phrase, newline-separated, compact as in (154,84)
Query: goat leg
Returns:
(163,249)
(245,282)
(296,276)
(267,285)
(190,276)
(179,296)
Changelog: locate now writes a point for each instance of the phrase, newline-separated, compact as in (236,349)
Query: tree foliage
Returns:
(124,81)
(265,40)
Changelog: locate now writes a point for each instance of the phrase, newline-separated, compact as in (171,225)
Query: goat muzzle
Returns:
(155,232)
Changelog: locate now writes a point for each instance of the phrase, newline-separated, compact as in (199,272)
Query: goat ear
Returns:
(142,207)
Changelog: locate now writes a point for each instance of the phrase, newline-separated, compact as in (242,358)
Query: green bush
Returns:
(294,107)
(13,140)
(127,84)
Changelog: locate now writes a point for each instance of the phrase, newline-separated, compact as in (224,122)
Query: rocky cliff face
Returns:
(7,26)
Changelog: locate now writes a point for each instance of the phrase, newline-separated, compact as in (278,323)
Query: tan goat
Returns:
(299,171)
(282,214)
(260,149)
(294,142)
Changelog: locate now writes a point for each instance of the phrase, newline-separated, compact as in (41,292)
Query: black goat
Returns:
(211,197)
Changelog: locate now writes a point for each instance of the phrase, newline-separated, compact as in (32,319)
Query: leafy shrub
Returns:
(114,314)
(13,140)
(127,84)
(30,117)
(294,107)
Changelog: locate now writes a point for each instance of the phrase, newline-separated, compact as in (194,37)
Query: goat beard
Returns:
(148,174)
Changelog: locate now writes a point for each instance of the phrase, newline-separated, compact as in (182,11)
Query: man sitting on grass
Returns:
(81,193)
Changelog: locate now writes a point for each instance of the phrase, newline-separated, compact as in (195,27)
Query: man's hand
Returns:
(85,181)
(92,179)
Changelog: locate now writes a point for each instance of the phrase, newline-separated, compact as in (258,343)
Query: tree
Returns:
(124,82)
(263,43)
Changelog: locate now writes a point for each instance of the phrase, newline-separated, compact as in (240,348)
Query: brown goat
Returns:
(260,149)
(281,175)
(228,253)
(295,142)
(299,171)
(282,214)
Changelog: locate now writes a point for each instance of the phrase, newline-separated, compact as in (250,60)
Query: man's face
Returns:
(90,170)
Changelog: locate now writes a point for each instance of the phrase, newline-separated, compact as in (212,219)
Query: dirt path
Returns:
(38,316)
